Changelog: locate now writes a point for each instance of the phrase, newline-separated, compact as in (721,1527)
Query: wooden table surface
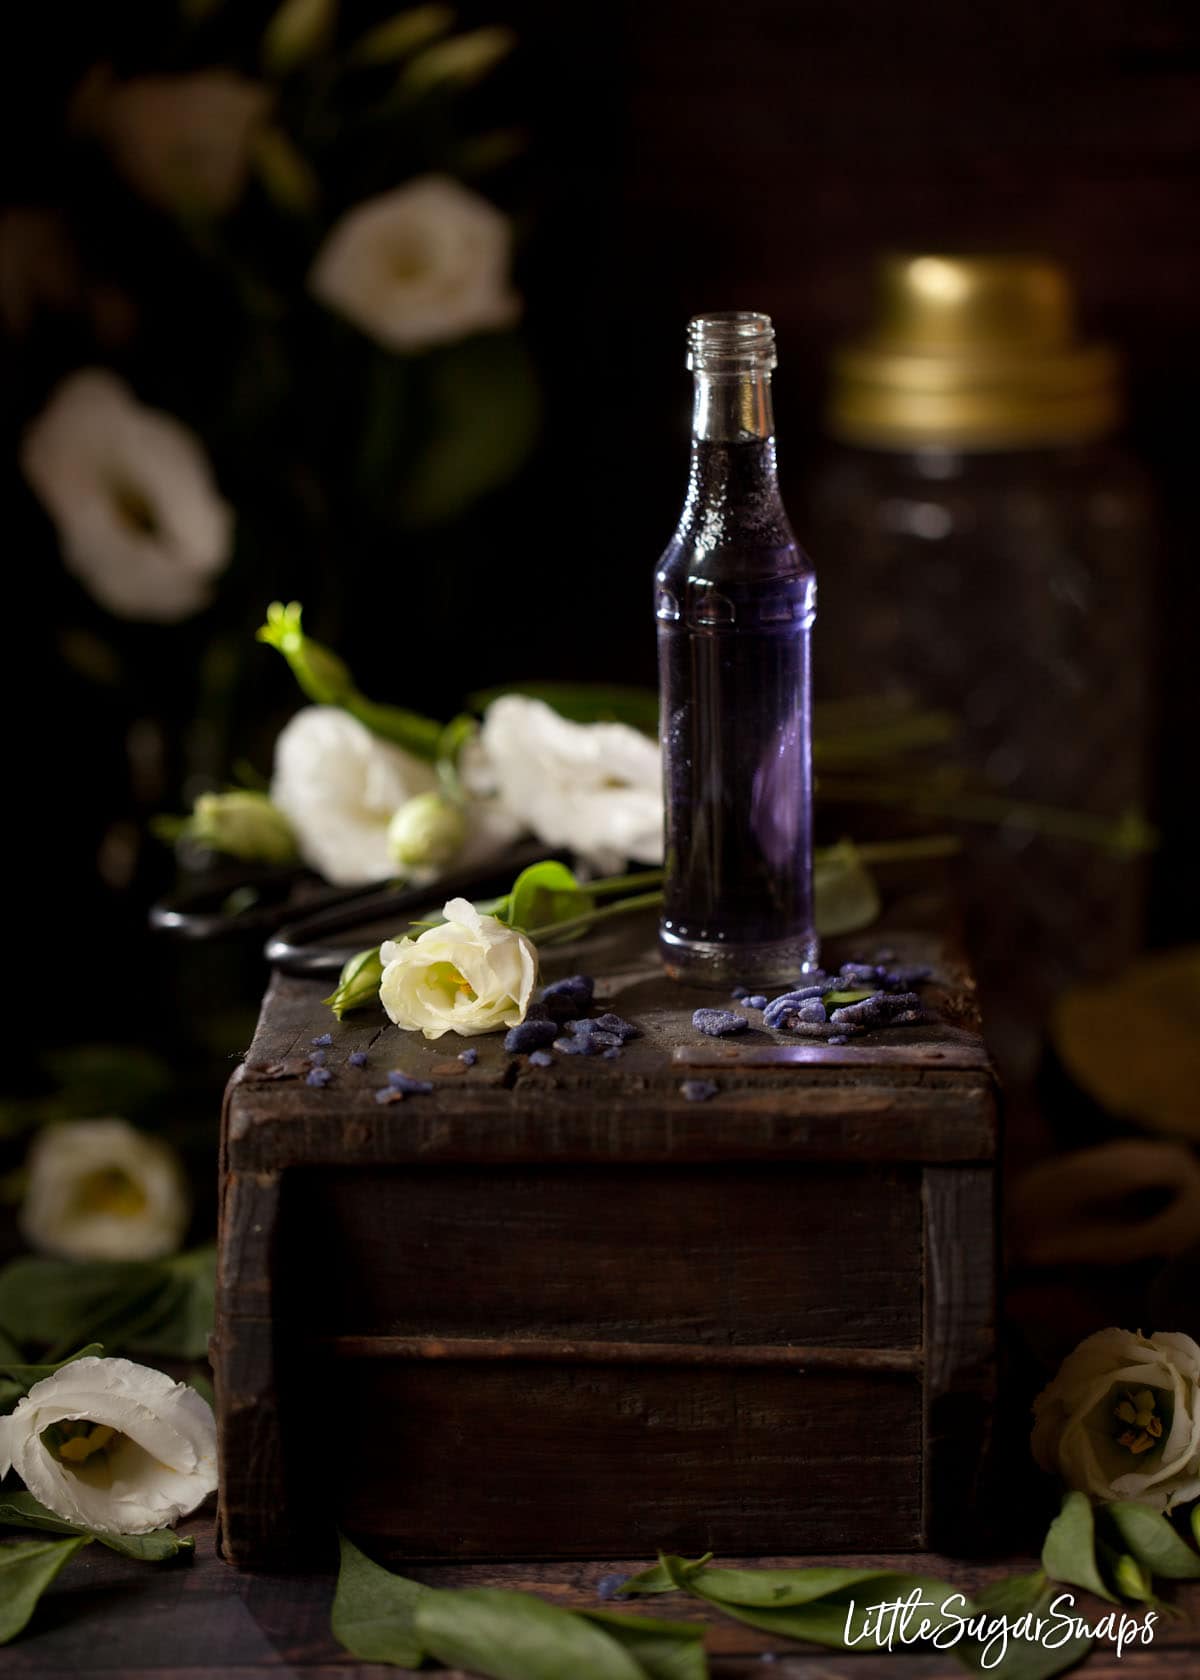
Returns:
(112,1619)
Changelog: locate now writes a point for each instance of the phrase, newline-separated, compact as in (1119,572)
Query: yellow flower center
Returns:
(1142,1425)
(76,1439)
(110,1190)
(135,508)
(447,978)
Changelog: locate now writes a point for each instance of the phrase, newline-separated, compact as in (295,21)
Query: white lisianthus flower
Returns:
(131,491)
(595,787)
(183,142)
(470,975)
(112,1446)
(101,1190)
(339,787)
(1121,1420)
(425,264)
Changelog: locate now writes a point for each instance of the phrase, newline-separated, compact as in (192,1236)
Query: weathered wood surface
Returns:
(596,1316)
(111,1619)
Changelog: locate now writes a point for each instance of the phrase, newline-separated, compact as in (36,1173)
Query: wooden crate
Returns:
(565,1312)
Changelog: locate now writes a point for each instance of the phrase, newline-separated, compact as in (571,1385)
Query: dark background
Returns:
(680,157)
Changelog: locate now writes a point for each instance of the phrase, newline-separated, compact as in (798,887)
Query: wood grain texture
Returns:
(575,1312)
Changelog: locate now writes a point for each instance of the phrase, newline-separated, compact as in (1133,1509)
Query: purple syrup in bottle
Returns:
(735,599)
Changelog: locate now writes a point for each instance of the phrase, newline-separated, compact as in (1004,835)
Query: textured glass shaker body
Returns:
(734,600)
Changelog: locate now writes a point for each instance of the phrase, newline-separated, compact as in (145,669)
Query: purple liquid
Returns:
(735,599)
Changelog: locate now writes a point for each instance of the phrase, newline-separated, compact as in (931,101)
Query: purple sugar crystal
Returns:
(758,1001)
(468,1057)
(624,1030)
(576,1046)
(862,974)
(839,1038)
(357,1058)
(570,996)
(881,1009)
(812,1009)
(530,1035)
(318,1076)
(325,1039)
(697,1090)
(739,992)
(541,1058)
(608,1586)
(317,1058)
(788,1002)
(719,1023)
(400,1081)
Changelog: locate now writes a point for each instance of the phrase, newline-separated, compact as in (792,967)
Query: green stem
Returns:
(895,851)
(580,924)
(621,883)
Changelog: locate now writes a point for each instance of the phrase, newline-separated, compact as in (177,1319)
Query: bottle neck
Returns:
(733,408)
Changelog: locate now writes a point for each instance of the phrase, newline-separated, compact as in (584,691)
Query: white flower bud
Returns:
(426,832)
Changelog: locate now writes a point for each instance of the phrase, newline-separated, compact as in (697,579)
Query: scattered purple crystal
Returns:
(740,992)
(788,1002)
(758,1001)
(537,1012)
(575,1046)
(530,1035)
(839,1038)
(611,1054)
(318,1076)
(624,1030)
(468,1057)
(812,1009)
(400,1081)
(593,1031)
(541,1058)
(570,996)
(719,1023)
(608,1586)
(388,1094)
(357,1058)
(317,1058)
(881,1009)
(697,1090)
(862,974)
(325,1039)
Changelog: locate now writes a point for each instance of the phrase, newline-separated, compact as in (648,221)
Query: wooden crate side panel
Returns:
(738,1255)
(466,1460)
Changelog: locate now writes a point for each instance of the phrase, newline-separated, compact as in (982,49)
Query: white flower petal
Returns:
(100,1190)
(498,964)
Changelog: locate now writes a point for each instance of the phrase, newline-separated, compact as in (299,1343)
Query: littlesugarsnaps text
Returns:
(919,1620)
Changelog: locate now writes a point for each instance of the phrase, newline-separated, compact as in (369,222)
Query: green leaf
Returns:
(374,1611)
(846,896)
(326,679)
(22,1510)
(27,1375)
(1024,1659)
(482,415)
(663,1650)
(358,983)
(142,1306)
(855,995)
(1153,1541)
(544,894)
(26,1570)
(1069,1552)
(514,1636)
(583,702)
(660,1579)
(402,34)
(299,30)
(451,742)
(1132,1580)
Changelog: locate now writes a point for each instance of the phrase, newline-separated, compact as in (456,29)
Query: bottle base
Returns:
(702,962)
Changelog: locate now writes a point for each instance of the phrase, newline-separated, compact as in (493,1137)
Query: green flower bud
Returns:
(243,824)
(426,832)
(358,983)
(320,673)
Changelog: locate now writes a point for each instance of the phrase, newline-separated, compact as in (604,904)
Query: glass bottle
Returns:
(996,560)
(735,599)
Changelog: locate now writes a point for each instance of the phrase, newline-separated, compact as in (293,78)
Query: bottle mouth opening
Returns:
(731,341)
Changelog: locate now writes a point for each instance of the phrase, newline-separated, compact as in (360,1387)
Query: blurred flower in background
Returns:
(423,265)
(132,493)
(101,1190)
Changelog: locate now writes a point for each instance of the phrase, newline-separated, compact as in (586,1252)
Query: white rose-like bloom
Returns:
(129,1449)
(131,491)
(470,975)
(339,787)
(595,787)
(427,263)
(1121,1420)
(101,1190)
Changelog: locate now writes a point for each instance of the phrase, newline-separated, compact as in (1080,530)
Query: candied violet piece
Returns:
(317,1058)
(697,1090)
(592,1030)
(541,1058)
(569,996)
(812,1009)
(860,973)
(400,1081)
(915,974)
(325,1039)
(805,1029)
(740,992)
(758,1001)
(388,1094)
(719,1023)
(357,1058)
(576,1046)
(881,1009)
(624,1030)
(537,1012)
(608,1586)
(530,1035)
(611,1054)
(839,1038)
(318,1076)
(787,1002)
(469,1056)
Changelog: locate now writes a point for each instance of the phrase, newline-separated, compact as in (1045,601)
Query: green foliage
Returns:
(1153,1542)
(358,983)
(1069,1552)
(162,1307)
(846,896)
(22,1510)
(27,1568)
(544,895)
(381,1617)
(1024,1659)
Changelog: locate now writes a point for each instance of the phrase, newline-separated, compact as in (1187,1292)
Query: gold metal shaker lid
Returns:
(972,353)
